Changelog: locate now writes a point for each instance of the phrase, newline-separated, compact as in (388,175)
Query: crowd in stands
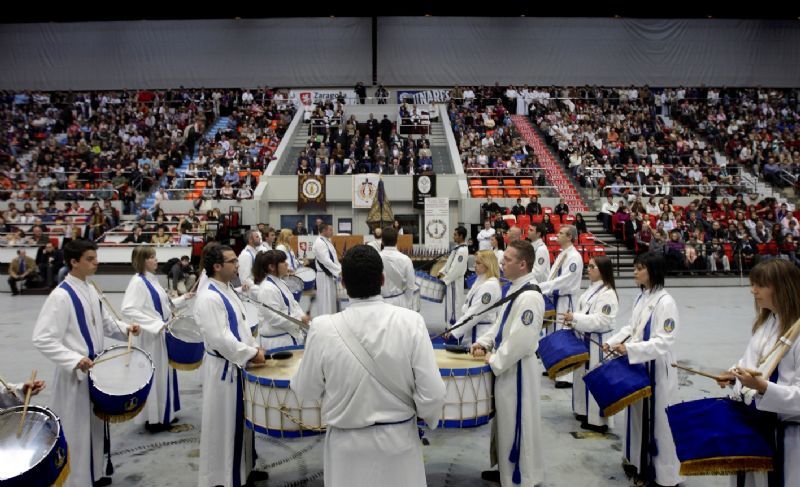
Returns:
(707,234)
(488,142)
(338,147)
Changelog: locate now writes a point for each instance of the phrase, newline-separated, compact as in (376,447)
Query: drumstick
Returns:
(106,359)
(25,407)
(103,297)
(130,340)
(8,387)
(754,373)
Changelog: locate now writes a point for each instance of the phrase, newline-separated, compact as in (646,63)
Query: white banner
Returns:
(309,97)
(365,187)
(304,246)
(437,222)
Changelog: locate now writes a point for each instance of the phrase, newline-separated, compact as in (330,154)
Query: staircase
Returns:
(553,171)
(620,255)
(220,124)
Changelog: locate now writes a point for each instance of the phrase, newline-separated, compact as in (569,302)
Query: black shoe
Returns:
(491,476)
(560,384)
(544,374)
(630,470)
(256,476)
(174,420)
(102,482)
(15,293)
(156,427)
(581,417)
(591,427)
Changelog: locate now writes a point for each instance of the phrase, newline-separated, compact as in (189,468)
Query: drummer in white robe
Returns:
(372,434)
(541,267)
(594,319)
(648,446)
(70,332)
(226,446)
(248,256)
(563,284)
(276,331)
(399,279)
(145,302)
(14,394)
(509,346)
(775,285)
(483,294)
(328,270)
(453,277)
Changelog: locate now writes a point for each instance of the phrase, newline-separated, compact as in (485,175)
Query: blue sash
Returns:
(285,299)
(155,296)
(81,316)
(233,323)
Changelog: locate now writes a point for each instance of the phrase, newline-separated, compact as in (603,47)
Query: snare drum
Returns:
(271,408)
(430,288)
(119,388)
(295,285)
(38,457)
(721,437)
(185,347)
(468,402)
(562,352)
(309,277)
(617,384)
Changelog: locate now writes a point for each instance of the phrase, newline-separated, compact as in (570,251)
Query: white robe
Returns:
(453,277)
(359,452)
(595,317)
(782,397)
(399,279)
(138,307)
(515,355)
(483,294)
(58,337)
(246,261)
(291,259)
(541,264)
(664,311)
(565,277)
(276,331)
(327,291)
(222,389)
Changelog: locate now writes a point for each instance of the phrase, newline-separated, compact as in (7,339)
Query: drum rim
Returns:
(59,432)
(301,285)
(305,270)
(114,347)
(461,371)
(178,318)
(266,381)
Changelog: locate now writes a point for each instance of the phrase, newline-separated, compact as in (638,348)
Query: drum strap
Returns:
(368,363)
(81,316)
(155,296)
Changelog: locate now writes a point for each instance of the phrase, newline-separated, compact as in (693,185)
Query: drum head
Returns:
(39,435)
(438,266)
(306,274)
(186,330)
(278,369)
(294,283)
(450,360)
(115,378)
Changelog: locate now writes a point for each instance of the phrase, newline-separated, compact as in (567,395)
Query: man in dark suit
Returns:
(299,228)
(49,260)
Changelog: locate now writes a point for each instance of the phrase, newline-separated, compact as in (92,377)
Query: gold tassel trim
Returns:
(550,314)
(567,365)
(62,477)
(119,418)
(185,367)
(726,465)
(627,401)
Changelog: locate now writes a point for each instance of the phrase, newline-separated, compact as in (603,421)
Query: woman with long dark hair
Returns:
(595,318)
(649,450)
(276,331)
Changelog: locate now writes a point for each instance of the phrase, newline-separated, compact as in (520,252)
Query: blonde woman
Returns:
(484,293)
(284,243)
(147,303)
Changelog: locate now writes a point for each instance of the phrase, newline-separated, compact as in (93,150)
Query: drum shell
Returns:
(718,436)
(309,277)
(469,394)
(562,352)
(617,384)
(430,288)
(53,468)
(183,354)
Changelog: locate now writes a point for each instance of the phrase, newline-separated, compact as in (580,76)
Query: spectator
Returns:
(716,256)
(161,237)
(22,268)
(533,208)
(548,224)
(299,228)
(580,224)
(49,260)
(182,275)
(136,236)
(561,208)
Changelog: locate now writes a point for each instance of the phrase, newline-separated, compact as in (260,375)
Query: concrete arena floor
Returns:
(714,330)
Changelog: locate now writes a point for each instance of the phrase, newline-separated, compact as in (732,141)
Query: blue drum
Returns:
(295,286)
(430,288)
(185,347)
(562,352)
(39,456)
(616,384)
(718,436)
(549,307)
(308,276)
(119,387)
